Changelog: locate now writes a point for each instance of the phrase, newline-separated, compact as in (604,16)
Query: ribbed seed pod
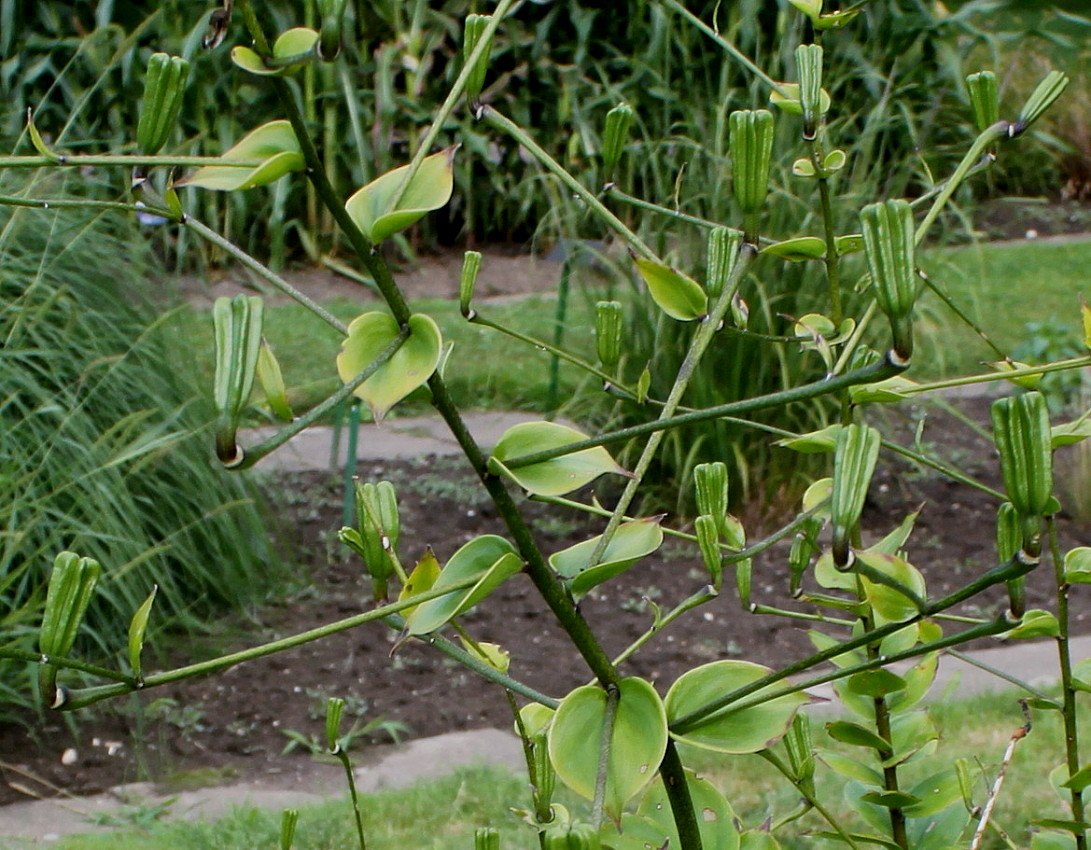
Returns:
(237,324)
(608,327)
(467,280)
(708,541)
(723,251)
(164,86)
(854,461)
(475,27)
(1040,100)
(1022,436)
(751,145)
(486,838)
(710,485)
(984,99)
(331,13)
(615,135)
(576,836)
(71,586)
(888,240)
(335,710)
(809,68)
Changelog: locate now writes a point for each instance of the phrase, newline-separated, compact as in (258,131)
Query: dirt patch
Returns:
(236,725)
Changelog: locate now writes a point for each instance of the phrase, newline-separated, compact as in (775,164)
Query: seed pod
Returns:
(1041,99)
(984,99)
(467,280)
(809,68)
(288,821)
(723,251)
(743,581)
(71,585)
(751,144)
(164,86)
(614,137)
(379,525)
(888,241)
(853,465)
(475,26)
(1022,436)
(1009,532)
(608,325)
(486,838)
(801,751)
(272,383)
(335,709)
(238,323)
(545,777)
(329,37)
(708,541)
(711,488)
(575,836)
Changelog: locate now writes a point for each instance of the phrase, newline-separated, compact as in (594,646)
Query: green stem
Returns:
(79,203)
(611,190)
(808,795)
(1059,366)
(674,782)
(598,804)
(950,304)
(343,757)
(496,119)
(1000,674)
(833,259)
(705,594)
(123,160)
(69,664)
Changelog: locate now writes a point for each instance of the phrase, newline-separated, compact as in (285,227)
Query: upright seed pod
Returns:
(608,327)
(723,251)
(332,13)
(545,777)
(854,461)
(288,820)
(708,541)
(1009,541)
(164,86)
(751,146)
(378,526)
(888,241)
(614,137)
(809,68)
(71,585)
(467,281)
(335,710)
(474,29)
(1043,97)
(1022,435)
(573,836)
(486,838)
(711,488)
(237,323)
(984,99)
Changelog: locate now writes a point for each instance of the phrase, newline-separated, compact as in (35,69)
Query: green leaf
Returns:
(890,390)
(679,296)
(653,824)
(856,735)
(137,627)
(934,793)
(887,601)
(789,102)
(1077,565)
(488,560)
(850,243)
(1036,623)
(638,741)
(890,799)
(1079,780)
(896,539)
(631,542)
(421,580)
(1081,675)
(293,42)
(851,768)
(918,679)
(272,383)
(1070,433)
(835,161)
(553,477)
(816,442)
(803,167)
(875,683)
(798,249)
(274,144)
(492,654)
(372,207)
(410,366)
(1052,841)
(819,492)
(729,730)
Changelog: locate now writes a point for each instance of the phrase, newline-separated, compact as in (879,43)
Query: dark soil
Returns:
(234,725)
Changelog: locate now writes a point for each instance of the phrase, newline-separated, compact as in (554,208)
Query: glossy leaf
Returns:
(856,735)
(731,730)
(653,824)
(373,210)
(138,626)
(553,477)
(851,768)
(890,799)
(1036,623)
(274,144)
(875,683)
(888,603)
(676,294)
(638,741)
(294,42)
(1077,565)
(489,560)
(798,249)
(1070,433)
(421,580)
(410,366)
(631,542)
(890,390)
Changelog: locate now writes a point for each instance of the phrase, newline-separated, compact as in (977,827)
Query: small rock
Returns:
(69,757)
(1032,234)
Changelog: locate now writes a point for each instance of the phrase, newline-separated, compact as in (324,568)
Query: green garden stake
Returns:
(723,250)
(164,86)
(486,838)
(615,135)
(1043,97)
(984,99)
(71,585)
(332,13)
(853,465)
(467,281)
(809,68)
(553,391)
(288,820)
(475,27)
(888,241)
(237,323)
(608,328)
(751,145)
(335,439)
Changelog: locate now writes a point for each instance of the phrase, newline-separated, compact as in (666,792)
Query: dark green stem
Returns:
(358,815)
(605,744)
(124,160)
(674,781)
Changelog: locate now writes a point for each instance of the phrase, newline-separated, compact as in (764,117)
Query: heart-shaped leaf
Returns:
(748,730)
(1077,565)
(803,167)
(653,825)
(294,42)
(274,145)
(373,208)
(850,243)
(488,560)
(798,249)
(631,542)
(1036,623)
(889,604)
(410,366)
(786,98)
(553,477)
(638,741)
(679,296)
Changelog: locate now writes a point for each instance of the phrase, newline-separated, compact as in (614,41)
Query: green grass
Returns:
(442,815)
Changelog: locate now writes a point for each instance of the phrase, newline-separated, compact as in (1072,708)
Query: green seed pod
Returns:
(888,241)
(378,525)
(740,311)
(854,461)
(335,709)
(164,86)
(486,838)
(809,68)
(608,327)
(329,37)
(708,541)
(575,836)
(799,558)
(984,99)
(71,585)
(467,280)
(1041,99)
(272,383)
(723,251)
(288,820)
(712,491)
(751,144)
(474,28)
(237,322)
(614,137)
(1009,532)
(801,751)
(743,582)
(545,777)
(1022,436)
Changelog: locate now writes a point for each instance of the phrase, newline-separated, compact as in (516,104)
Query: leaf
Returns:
(293,42)
(679,296)
(492,654)
(372,210)
(653,825)
(887,601)
(851,768)
(1079,780)
(790,103)
(1052,841)
(274,144)
(818,493)
(271,379)
(803,167)
(875,683)
(848,244)
(918,680)
(835,161)
(638,741)
(890,799)
(1036,623)
(631,542)
(137,627)
(856,735)
(556,476)
(892,389)
(1077,565)
(934,793)
(1070,433)
(1081,675)
(488,560)
(410,366)
(421,580)
(729,730)
(896,539)
(798,249)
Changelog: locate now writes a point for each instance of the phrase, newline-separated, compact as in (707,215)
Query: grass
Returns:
(442,815)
